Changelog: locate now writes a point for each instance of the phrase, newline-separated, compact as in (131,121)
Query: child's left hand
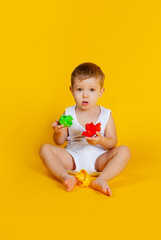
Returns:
(95,140)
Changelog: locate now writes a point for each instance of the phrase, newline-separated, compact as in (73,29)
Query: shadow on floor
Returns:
(128,177)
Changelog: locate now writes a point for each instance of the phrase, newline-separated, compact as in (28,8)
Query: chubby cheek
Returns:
(94,98)
(77,98)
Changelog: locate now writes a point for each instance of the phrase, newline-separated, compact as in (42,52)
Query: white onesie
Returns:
(84,154)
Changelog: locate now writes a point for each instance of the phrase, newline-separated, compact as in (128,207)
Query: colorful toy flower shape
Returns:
(91,129)
(66,120)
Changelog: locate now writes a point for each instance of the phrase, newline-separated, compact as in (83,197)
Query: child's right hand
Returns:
(60,129)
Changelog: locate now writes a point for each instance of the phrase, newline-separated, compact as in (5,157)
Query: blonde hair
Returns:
(87,70)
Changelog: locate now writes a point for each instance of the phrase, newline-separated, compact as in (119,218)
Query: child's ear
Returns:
(101,91)
(71,89)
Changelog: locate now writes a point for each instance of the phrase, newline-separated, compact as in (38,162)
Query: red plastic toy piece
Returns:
(91,129)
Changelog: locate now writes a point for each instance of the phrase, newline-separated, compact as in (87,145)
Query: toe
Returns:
(109,192)
(70,183)
(66,182)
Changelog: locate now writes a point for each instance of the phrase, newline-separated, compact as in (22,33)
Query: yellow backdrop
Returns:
(41,43)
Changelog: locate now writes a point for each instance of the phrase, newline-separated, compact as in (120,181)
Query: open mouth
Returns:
(84,103)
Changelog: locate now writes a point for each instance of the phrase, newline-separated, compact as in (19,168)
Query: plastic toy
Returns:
(83,178)
(91,129)
(66,120)
(92,174)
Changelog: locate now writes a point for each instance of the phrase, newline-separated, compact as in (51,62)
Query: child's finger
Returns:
(60,126)
(53,124)
(98,133)
(89,138)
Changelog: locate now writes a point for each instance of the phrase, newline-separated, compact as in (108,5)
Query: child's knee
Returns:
(44,149)
(125,151)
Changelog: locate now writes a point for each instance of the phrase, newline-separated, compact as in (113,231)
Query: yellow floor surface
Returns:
(34,205)
(41,44)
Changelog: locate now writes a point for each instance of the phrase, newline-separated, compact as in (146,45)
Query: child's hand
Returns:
(60,129)
(95,140)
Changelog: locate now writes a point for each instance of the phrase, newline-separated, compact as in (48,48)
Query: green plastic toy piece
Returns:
(66,120)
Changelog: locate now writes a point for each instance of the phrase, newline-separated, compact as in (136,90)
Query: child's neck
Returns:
(88,116)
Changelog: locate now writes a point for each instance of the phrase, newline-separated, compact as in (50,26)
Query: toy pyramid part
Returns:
(83,178)
(93,174)
(66,120)
(91,129)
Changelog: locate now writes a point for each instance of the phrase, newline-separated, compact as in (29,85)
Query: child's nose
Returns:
(85,94)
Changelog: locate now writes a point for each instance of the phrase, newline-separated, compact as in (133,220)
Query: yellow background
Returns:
(41,43)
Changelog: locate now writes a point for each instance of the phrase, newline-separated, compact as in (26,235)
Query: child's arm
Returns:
(108,141)
(60,133)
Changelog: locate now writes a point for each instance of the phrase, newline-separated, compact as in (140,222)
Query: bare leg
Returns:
(57,160)
(110,164)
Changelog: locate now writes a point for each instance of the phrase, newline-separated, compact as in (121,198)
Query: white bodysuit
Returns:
(84,154)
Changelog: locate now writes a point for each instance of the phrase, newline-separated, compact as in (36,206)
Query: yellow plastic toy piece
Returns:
(83,177)
(93,174)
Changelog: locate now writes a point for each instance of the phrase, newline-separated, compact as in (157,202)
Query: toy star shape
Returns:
(91,129)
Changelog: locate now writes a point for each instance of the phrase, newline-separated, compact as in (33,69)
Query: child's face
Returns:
(87,92)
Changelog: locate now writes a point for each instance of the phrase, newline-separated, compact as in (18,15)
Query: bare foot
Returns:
(69,182)
(101,185)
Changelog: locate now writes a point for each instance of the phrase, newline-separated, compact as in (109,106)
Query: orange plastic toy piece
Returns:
(83,178)
(91,129)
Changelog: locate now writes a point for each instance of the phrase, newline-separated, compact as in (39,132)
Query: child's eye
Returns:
(79,89)
(92,89)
